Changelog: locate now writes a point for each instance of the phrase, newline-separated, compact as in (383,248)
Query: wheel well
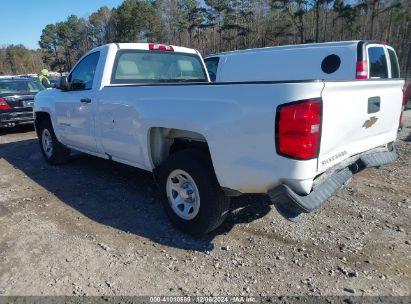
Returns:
(40,116)
(165,141)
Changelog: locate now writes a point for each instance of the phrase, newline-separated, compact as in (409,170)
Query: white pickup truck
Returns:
(153,107)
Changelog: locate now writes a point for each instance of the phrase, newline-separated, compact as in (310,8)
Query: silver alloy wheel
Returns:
(47,142)
(183,195)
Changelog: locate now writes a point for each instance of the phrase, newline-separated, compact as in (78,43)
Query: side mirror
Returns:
(63,84)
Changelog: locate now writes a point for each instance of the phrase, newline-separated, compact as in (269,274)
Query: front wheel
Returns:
(191,195)
(53,151)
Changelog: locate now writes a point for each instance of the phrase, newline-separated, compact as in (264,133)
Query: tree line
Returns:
(17,59)
(220,25)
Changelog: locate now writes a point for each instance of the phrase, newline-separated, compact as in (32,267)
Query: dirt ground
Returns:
(93,227)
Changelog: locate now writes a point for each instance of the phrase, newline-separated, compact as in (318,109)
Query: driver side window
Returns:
(83,75)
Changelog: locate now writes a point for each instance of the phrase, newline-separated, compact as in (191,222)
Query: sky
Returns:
(22,21)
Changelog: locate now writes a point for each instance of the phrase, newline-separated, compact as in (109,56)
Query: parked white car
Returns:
(152,107)
(347,60)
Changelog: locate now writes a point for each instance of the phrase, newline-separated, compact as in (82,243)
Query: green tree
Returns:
(17,59)
(135,20)
(173,21)
(99,26)
(217,10)
(347,13)
(193,16)
(49,43)
(215,25)
(296,11)
(318,4)
(64,42)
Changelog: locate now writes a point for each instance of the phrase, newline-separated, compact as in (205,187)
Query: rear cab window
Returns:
(377,61)
(139,66)
(395,68)
(212,66)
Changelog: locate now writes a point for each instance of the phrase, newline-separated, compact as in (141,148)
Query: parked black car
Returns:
(16,100)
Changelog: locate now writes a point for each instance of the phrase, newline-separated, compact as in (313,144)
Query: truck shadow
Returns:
(17,129)
(118,196)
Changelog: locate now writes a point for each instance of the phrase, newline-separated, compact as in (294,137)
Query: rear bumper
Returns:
(10,119)
(287,200)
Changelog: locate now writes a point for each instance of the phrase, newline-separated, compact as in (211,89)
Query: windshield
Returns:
(157,67)
(20,86)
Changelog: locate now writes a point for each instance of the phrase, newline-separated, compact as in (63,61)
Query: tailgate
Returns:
(358,116)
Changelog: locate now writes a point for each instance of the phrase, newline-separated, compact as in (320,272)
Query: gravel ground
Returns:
(93,227)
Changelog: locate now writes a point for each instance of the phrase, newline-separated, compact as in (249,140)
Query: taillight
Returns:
(4,105)
(298,129)
(160,47)
(362,70)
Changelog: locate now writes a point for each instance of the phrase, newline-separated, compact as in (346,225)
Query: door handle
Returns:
(85,100)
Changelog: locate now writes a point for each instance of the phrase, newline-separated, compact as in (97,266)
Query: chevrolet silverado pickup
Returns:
(153,107)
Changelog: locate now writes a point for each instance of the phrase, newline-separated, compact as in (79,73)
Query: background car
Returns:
(17,99)
(407,94)
(53,82)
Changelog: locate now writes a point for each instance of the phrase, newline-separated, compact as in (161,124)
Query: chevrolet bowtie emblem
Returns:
(370,122)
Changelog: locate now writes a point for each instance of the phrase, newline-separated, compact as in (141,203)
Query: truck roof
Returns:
(144,46)
(352,43)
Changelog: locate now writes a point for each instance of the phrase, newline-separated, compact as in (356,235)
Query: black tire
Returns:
(214,205)
(59,154)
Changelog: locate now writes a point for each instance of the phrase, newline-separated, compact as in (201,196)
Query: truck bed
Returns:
(237,121)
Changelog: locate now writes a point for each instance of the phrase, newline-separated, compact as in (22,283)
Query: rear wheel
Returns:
(53,151)
(191,195)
